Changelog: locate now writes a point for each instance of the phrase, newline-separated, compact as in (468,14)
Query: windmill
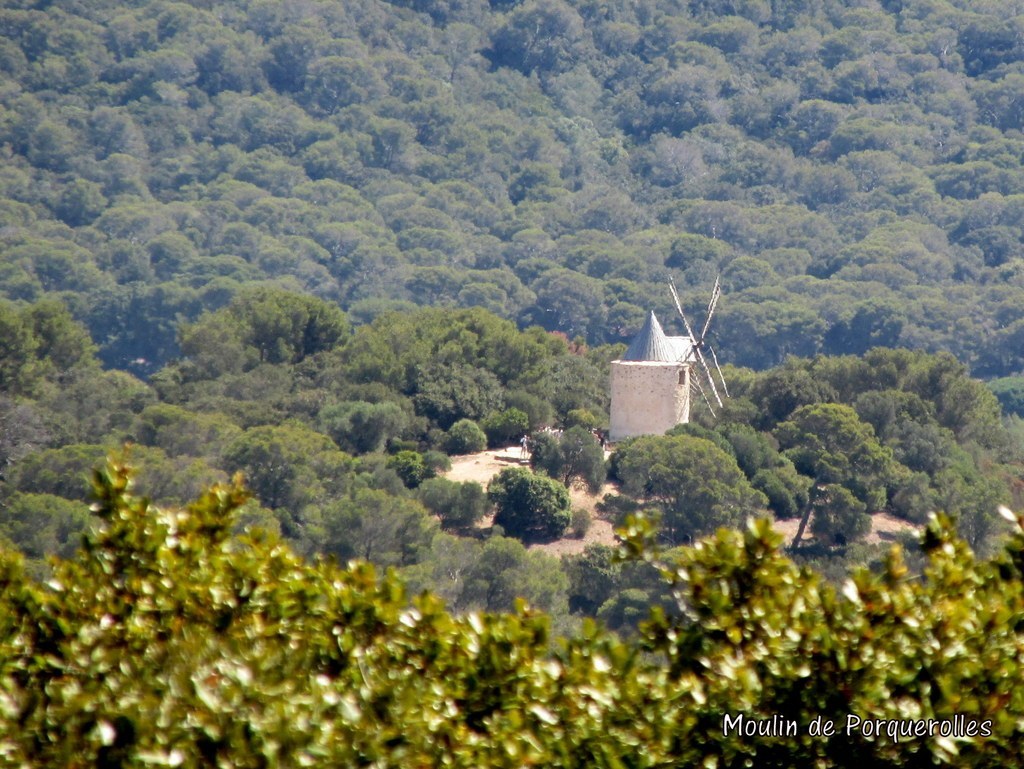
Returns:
(699,343)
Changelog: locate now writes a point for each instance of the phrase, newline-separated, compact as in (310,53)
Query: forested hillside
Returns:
(852,169)
(341,434)
(325,246)
(231,199)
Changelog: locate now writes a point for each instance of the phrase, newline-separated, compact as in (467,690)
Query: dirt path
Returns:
(884,528)
(485,465)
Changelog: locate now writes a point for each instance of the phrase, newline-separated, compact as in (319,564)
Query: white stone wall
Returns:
(648,398)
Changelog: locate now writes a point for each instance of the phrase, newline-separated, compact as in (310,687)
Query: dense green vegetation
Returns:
(328,245)
(529,506)
(842,437)
(166,641)
(340,434)
(574,457)
(852,170)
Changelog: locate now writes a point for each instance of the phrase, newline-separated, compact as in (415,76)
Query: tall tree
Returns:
(696,485)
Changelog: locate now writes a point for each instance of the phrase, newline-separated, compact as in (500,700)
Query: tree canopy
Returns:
(851,172)
(697,485)
(166,640)
(529,506)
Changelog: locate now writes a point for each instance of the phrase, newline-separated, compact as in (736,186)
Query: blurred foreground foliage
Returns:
(168,641)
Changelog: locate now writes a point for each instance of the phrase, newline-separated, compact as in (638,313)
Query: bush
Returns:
(43,524)
(1010,392)
(163,631)
(573,457)
(697,486)
(458,505)
(465,437)
(787,491)
(360,427)
(436,462)
(914,499)
(582,418)
(529,506)
(583,459)
(546,454)
(625,609)
(505,428)
(593,577)
(839,517)
(618,507)
(398,445)
(580,522)
(411,468)
(538,411)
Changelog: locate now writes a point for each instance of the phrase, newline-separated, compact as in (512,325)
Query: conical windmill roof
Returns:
(651,344)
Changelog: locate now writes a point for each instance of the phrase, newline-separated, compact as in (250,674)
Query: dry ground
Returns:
(485,465)
(884,528)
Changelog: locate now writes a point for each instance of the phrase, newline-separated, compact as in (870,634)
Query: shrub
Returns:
(618,507)
(593,576)
(410,467)
(529,506)
(582,459)
(458,505)
(1010,392)
(361,427)
(165,641)
(465,437)
(786,490)
(580,522)
(546,454)
(506,427)
(436,462)
(697,485)
(839,517)
(573,457)
(582,418)
(539,411)
(396,445)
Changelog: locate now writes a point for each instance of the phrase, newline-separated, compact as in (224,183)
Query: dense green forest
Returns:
(851,168)
(167,642)
(220,220)
(341,434)
(330,245)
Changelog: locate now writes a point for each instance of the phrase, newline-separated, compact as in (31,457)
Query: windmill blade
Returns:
(719,369)
(716,292)
(695,383)
(711,380)
(679,309)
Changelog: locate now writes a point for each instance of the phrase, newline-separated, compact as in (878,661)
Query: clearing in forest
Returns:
(483,466)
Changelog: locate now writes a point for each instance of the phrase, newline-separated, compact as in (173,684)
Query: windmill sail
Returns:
(696,383)
(721,377)
(679,309)
(697,342)
(711,379)
(716,292)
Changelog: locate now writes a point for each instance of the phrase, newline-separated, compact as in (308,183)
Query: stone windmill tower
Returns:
(651,383)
